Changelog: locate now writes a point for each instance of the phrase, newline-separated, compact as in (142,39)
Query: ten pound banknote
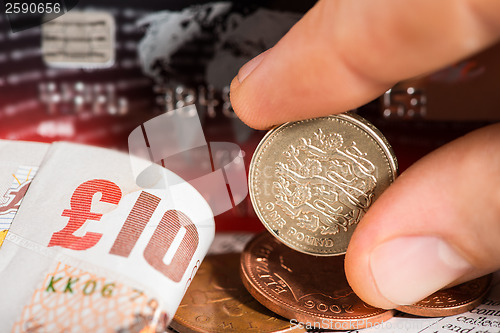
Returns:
(85,249)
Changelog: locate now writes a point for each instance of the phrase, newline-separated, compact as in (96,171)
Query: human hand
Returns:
(439,223)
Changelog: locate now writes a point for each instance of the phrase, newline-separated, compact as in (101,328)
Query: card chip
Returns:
(79,39)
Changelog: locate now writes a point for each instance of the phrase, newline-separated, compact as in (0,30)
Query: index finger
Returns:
(344,53)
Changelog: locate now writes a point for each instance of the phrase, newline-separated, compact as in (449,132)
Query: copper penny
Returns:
(451,301)
(306,289)
(217,301)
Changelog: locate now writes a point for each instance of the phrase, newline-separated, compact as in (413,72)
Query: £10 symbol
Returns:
(139,216)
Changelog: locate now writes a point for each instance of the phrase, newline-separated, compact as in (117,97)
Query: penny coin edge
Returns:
(462,307)
(285,311)
(184,325)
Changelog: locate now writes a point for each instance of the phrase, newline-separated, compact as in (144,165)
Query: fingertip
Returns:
(244,110)
(235,83)
(359,275)
(432,228)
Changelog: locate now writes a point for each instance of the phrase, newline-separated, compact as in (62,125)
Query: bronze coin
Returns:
(217,301)
(451,301)
(311,290)
(311,181)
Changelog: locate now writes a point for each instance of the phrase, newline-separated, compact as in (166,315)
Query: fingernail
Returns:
(248,68)
(408,269)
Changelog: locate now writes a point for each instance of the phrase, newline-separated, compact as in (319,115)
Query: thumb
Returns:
(438,224)
(344,53)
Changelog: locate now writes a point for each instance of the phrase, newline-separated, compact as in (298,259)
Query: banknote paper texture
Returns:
(18,165)
(89,250)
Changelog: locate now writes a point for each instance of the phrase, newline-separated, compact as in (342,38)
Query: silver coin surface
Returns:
(311,181)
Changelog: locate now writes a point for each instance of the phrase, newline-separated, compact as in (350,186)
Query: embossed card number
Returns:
(138,218)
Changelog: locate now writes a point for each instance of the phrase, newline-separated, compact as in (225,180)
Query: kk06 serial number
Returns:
(32,8)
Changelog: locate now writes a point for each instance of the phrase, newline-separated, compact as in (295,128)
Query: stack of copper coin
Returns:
(217,301)
(310,183)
